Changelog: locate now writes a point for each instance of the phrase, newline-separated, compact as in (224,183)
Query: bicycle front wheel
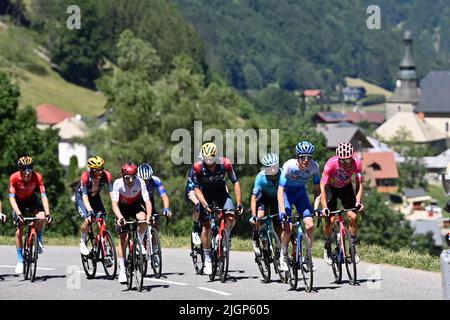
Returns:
(293,264)
(224,258)
(156,259)
(26,257)
(263,261)
(349,254)
(306,263)
(33,257)
(89,262)
(129,264)
(198,258)
(336,257)
(109,256)
(214,258)
(138,261)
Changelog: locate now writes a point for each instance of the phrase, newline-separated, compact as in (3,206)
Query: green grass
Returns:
(38,82)
(437,192)
(368,253)
(370,88)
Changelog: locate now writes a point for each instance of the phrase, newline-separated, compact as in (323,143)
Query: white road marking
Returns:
(215,291)
(97,273)
(166,281)
(38,268)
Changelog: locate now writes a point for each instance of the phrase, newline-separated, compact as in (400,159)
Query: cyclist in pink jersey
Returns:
(337,174)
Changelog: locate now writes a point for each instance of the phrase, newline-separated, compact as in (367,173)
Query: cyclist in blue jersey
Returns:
(264,195)
(292,191)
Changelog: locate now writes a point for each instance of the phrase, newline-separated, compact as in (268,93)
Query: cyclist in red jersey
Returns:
(337,174)
(22,188)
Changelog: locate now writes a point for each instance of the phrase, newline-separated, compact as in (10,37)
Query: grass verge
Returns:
(405,258)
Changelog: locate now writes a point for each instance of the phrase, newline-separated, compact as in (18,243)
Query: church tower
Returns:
(407,93)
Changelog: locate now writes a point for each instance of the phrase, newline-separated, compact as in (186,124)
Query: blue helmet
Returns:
(304,147)
(270,159)
(145,171)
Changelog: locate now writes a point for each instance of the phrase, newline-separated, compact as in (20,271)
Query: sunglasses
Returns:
(27,169)
(346,161)
(129,177)
(97,170)
(303,158)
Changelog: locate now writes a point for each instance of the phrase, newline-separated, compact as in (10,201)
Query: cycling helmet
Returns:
(270,159)
(129,168)
(25,162)
(209,150)
(304,147)
(96,163)
(145,171)
(344,150)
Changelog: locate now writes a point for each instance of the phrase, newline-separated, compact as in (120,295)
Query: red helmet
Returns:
(344,150)
(129,168)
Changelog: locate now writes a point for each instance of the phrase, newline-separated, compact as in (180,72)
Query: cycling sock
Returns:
(197,227)
(39,236)
(207,253)
(353,237)
(122,264)
(19,255)
(141,236)
(284,250)
(84,237)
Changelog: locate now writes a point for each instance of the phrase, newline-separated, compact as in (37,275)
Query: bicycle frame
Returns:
(268,228)
(342,230)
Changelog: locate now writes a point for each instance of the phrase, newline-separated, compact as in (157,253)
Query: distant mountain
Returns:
(317,43)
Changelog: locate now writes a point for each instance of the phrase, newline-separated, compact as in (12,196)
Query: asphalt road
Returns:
(60,276)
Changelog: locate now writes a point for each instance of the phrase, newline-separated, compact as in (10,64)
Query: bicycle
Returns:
(101,249)
(198,257)
(154,250)
(134,259)
(220,245)
(30,250)
(270,245)
(342,249)
(300,257)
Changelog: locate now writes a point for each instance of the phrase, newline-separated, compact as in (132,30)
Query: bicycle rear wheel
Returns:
(89,262)
(138,261)
(349,258)
(224,259)
(33,257)
(306,263)
(336,257)
(156,258)
(109,259)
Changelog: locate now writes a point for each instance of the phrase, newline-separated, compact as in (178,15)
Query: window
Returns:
(399,109)
(446,127)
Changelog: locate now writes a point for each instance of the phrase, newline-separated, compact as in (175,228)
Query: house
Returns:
(425,226)
(434,103)
(379,146)
(420,131)
(407,93)
(48,115)
(381,170)
(69,129)
(353,94)
(437,164)
(312,95)
(416,199)
(375,118)
(335,135)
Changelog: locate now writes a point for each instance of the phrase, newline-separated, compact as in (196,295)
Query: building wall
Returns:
(393,108)
(67,149)
(440,123)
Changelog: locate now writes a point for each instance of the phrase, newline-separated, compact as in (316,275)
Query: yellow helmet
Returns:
(209,150)
(96,163)
(25,162)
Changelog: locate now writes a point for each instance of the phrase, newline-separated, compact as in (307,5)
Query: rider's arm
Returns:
(253,205)
(43,195)
(234,179)
(280,193)
(116,210)
(316,180)
(200,197)
(238,193)
(323,183)
(162,192)
(146,198)
(115,200)
(84,189)
(148,208)
(12,197)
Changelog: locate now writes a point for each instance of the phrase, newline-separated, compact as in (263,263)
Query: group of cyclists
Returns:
(276,191)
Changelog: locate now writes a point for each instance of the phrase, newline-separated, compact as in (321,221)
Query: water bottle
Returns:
(338,237)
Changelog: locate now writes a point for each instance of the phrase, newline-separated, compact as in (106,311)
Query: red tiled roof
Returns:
(312,93)
(353,117)
(49,114)
(385,161)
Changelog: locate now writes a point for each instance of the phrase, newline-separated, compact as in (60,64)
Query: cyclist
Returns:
(208,177)
(2,216)
(337,174)
(264,195)
(292,191)
(22,187)
(130,199)
(87,195)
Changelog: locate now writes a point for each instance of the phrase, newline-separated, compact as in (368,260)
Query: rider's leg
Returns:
(142,227)
(40,225)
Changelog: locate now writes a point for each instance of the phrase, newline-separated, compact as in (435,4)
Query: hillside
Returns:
(370,87)
(316,43)
(39,83)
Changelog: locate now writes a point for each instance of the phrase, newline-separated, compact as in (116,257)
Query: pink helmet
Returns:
(344,150)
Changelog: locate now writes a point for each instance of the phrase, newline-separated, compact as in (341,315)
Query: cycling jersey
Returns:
(87,186)
(337,176)
(264,188)
(126,195)
(189,183)
(293,177)
(22,190)
(155,183)
(212,183)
